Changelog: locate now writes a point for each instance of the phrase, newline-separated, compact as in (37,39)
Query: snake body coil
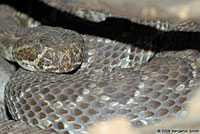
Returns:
(64,103)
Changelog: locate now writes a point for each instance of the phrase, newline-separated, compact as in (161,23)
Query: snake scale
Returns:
(113,78)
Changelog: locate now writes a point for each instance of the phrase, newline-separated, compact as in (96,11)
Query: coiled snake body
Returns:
(101,88)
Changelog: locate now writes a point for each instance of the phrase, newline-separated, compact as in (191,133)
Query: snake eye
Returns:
(69,37)
(65,36)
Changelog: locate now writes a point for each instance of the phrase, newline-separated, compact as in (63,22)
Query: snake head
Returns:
(49,49)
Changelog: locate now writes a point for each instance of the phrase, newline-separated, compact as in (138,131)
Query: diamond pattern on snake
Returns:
(113,78)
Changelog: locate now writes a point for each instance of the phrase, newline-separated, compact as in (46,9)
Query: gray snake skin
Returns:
(113,79)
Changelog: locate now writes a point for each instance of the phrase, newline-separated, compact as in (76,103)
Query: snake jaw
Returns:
(50,49)
(49,60)
(59,62)
(64,57)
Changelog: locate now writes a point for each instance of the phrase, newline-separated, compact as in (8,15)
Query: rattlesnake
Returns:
(99,89)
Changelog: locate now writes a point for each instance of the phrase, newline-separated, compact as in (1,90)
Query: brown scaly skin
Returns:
(46,49)
(146,94)
(50,50)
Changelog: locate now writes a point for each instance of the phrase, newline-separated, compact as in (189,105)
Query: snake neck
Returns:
(8,39)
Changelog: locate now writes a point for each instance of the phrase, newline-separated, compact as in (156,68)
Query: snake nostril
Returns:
(70,37)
